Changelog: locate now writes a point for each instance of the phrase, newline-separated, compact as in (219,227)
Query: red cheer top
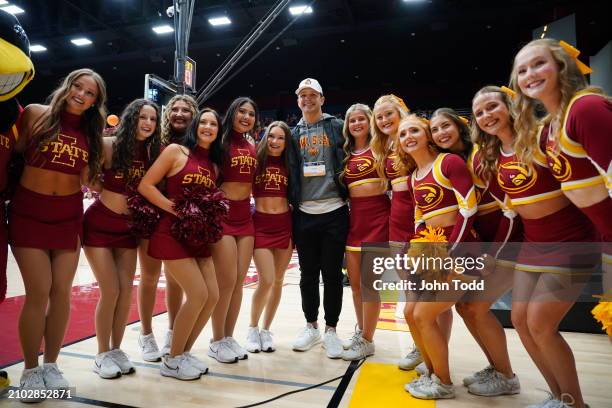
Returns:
(7,145)
(68,152)
(583,154)
(273,181)
(115,180)
(361,169)
(526,184)
(445,188)
(392,171)
(198,169)
(240,162)
(484,198)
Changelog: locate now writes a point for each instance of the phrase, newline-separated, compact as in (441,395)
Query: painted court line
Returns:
(213,374)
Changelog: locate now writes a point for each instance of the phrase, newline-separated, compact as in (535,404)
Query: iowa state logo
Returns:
(428,195)
(559,165)
(359,167)
(514,177)
(392,166)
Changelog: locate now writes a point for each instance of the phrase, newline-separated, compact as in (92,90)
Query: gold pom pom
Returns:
(603,314)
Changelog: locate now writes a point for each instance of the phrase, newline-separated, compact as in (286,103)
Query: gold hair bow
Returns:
(401,102)
(464,119)
(574,53)
(424,120)
(508,91)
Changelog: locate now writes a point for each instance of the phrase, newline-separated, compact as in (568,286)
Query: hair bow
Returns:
(574,53)
(401,102)
(464,119)
(508,91)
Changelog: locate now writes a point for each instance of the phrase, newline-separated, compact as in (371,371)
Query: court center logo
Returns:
(428,195)
(514,177)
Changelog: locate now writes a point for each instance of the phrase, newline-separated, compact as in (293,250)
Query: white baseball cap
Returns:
(310,83)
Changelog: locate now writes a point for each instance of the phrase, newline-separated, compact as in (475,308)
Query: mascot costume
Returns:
(16,70)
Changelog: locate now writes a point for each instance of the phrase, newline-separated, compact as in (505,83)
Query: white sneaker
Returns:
(332,343)
(422,369)
(32,380)
(148,348)
(167,344)
(495,384)
(432,389)
(308,337)
(220,351)
(360,349)
(549,402)
(105,366)
(267,343)
(347,344)
(411,360)
(416,380)
(253,341)
(236,348)
(178,367)
(123,361)
(196,362)
(479,375)
(54,380)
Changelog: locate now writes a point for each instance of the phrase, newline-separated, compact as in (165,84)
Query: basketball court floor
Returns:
(376,383)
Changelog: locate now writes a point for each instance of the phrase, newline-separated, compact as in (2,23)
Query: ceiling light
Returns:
(13,9)
(37,48)
(163,29)
(297,10)
(81,41)
(218,21)
(3,2)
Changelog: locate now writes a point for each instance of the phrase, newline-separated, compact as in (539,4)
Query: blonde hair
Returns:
(489,145)
(405,161)
(571,80)
(166,129)
(349,140)
(380,141)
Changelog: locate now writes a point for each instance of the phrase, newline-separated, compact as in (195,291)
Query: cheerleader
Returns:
(273,242)
(577,145)
(450,132)
(63,148)
(108,243)
(368,223)
(444,197)
(239,166)
(547,283)
(193,163)
(177,117)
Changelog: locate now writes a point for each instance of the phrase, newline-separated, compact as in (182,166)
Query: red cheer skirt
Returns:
(104,228)
(401,217)
(44,221)
(239,221)
(369,221)
(162,245)
(272,230)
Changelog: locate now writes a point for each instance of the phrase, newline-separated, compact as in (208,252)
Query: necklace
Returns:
(360,151)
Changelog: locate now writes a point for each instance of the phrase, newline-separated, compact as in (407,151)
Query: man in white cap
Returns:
(320,215)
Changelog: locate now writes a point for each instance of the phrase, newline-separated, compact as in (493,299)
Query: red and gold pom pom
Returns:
(603,314)
(144,215)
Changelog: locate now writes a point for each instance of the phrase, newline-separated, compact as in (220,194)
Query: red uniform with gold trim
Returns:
(272,230)
(369,216)
(198,169)
(447,187)
(401,225)
(528,184)
(44,221)
(239,166)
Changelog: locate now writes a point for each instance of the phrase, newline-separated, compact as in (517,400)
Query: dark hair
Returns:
(125,137)
(228,121)
(262,147)
(464,131)
(191,137)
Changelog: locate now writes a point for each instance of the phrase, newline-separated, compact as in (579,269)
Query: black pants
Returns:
(320,240)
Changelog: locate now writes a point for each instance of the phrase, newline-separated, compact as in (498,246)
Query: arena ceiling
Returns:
(430,52)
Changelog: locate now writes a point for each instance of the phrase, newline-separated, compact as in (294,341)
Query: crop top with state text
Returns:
(240,163)
(392,170)
(361,169)
(447,187)
(115,180)
(67,152)
(273,180)
(198,169)
(526,184)
(582,156)
(7,145)
(485,200)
